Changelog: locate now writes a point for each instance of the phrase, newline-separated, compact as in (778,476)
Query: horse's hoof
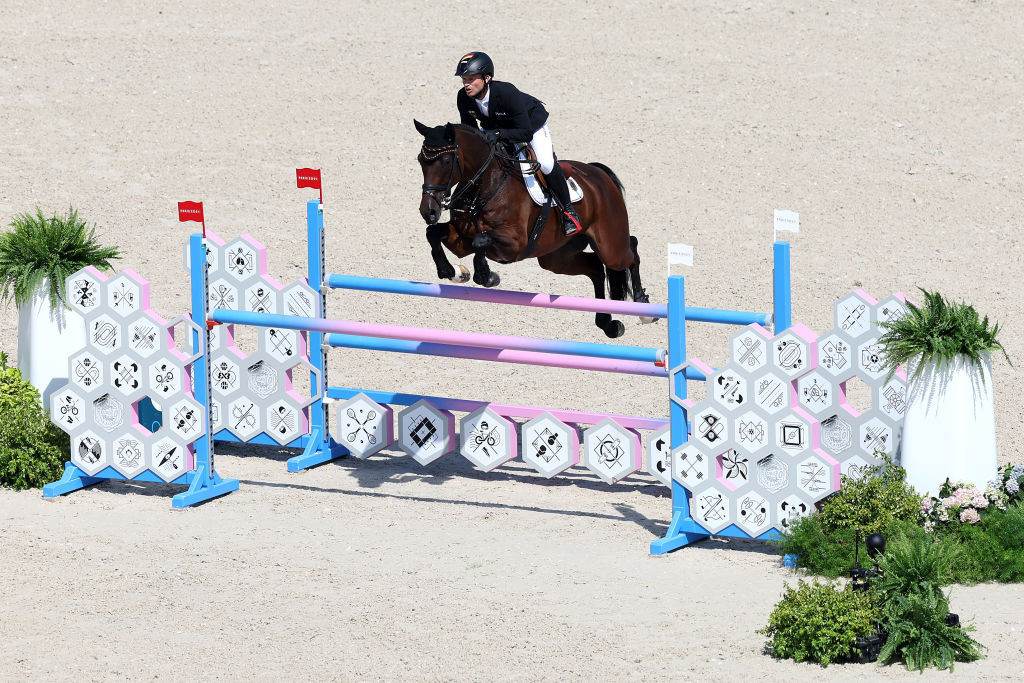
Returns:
(647,321)
(493,280)
(615,329)
(461,276)
(445,272)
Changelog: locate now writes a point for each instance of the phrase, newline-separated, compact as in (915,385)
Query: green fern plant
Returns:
(938,330)
(38,247)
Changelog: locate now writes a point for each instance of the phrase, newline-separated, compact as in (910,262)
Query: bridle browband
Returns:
(439,194)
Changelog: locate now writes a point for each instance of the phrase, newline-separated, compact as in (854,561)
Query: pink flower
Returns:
(970,515)
(949,502)
(927,503)
(980,502)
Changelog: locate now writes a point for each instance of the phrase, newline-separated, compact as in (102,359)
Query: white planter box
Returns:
(46,338)
(950,429)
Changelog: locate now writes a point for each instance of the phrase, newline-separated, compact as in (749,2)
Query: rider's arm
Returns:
(517,128)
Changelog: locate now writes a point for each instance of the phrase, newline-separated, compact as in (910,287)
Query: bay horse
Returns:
(492,217)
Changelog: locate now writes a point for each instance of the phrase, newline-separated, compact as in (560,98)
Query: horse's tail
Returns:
(611,174)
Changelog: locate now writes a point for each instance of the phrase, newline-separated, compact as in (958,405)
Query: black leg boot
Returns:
(560,189)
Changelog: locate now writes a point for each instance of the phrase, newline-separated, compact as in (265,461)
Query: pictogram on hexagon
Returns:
(817,476)
(793,352)
(213,244)
(815,392)
(217,337)
(244,258)
(223,293)
(364,426)
(836,434)
(128,452)
(751,432)
(728,389)
(109,413)
(749,348)
(891,398)
(282,345)
(487,439)
(549,445)
(791,510)
(105,334)
(875,435)
(243,418)
(166,379)
(286,422)
(835,356)
(262,378)
(85,290)
(127,377)
(426,432)
(733,469)
(126,293)
(711,508)
(794,432)
(753,513)
(611,451)
(260,297)
(691,465)
(857,467)
(772,473)
(888,310)
(89,452)
(185,418)
(144,335)
(169,458)
(853,314)
(225,374)
(299,299)
(771,392)
(217,415)
(870,361)
(658,447)
(68,410)
(710,427)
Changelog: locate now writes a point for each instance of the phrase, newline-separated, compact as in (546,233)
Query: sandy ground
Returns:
(893,128)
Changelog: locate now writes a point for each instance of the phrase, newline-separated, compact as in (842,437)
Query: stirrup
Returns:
(570,223)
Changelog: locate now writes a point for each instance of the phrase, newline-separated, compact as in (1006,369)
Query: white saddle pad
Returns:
(537,192)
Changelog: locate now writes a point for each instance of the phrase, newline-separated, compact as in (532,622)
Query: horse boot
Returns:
(560,189)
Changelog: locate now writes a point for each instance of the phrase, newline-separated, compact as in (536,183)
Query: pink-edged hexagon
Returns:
(691,465)
(771,392)
(815,392)
(127,293)
(794,351)
(364,426)
(611,451)
(728,389)
(487,439)
(67,408)
(749,348)
(84,290)
(549,445)
(87,371)
(817,475)
(710,507)
(753,513)
(733,469)
(298,298)
(853,314)
(751,432)
(286,422)
(835,357)
(710,427)
(426,432)
(244,258)
(658,449)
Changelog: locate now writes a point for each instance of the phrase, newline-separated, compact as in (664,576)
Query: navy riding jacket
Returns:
(514,114)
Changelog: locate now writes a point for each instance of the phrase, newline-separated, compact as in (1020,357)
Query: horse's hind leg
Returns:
(569,260)
(639,293)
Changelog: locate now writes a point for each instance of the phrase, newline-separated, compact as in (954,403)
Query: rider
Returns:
(506,113)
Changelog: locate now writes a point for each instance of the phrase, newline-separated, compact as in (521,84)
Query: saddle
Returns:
(534,180)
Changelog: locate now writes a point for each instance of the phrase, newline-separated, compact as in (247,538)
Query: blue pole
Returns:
(782,288)
(726,317)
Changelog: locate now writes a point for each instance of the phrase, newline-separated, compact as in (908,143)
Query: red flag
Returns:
(308,177)
(190,211)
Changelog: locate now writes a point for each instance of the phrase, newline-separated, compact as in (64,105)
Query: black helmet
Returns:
(475,63)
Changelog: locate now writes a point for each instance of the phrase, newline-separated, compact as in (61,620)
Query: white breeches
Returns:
(541,144)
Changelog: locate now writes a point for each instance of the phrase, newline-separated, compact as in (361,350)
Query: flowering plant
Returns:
(959,503)
(1010,480)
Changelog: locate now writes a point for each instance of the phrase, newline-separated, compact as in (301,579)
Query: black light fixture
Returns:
(860,576)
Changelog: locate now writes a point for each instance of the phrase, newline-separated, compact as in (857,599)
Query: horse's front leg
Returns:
(482,273)
(443,234)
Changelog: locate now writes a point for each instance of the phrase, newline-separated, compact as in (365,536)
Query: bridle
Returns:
(440,194)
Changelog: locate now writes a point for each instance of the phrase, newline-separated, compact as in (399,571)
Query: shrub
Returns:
(871,501)
(991,550)
(819,622)
(32,449)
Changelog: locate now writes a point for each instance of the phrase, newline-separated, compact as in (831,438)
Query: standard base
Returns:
(201,486)
(317,452)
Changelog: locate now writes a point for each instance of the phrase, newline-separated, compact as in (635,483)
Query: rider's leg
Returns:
(541,144)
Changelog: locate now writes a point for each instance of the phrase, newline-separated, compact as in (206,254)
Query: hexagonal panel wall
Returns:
(658,447)
(426,432)
(486,439)
(549,445)
(363,426)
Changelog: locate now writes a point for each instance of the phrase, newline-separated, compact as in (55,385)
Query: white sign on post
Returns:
(786,221)
(679,253)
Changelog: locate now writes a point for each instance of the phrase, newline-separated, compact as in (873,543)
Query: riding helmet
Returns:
(475,63)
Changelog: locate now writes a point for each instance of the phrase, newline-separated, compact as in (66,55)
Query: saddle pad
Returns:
(537,192)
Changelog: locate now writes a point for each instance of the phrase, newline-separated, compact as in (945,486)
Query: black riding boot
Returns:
(560,189)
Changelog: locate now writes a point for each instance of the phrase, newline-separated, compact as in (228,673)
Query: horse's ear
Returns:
(449,132)
(421,128)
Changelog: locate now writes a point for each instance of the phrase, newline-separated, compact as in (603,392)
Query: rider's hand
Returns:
(491,136)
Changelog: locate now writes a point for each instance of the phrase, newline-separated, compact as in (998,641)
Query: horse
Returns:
(492,217)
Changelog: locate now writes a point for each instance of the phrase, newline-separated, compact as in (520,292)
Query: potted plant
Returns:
(949,426)
(36,256)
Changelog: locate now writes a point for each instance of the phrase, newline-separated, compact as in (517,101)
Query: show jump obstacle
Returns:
(767,443)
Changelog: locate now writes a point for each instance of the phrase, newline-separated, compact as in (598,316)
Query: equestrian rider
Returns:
(506,113)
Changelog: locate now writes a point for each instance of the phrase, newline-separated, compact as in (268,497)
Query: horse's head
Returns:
(439,159)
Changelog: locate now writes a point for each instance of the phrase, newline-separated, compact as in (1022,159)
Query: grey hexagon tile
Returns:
(710,426)
(853,314)
(426,432)
(837,434)
(835,357)
(749,348)
(875,434)
(692,466)
(658,449)
(143,335)
(260,296)
(126,293)
(109,413)
(170,458)
(711,509)
(298,298)
(791,509)
(487,439)
(611,451)
(753,513)
(105,333)
(870,361)
(364,426)
(772,473)
(795,432)
(751,432)
(87,371)
(284,346)
(85,290)
(815,392)
(90,452)
(263,377)
(224,293)
(167,379)
(244,418)
(225,373)
(128,452)
(68,409)
(733,469)
(772,392)
(817,475)
(549,445)
(891,398)
(793,351)
(185,418)
(888,310)
(128,377)
(286,422)
(244,258)
(729,389)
